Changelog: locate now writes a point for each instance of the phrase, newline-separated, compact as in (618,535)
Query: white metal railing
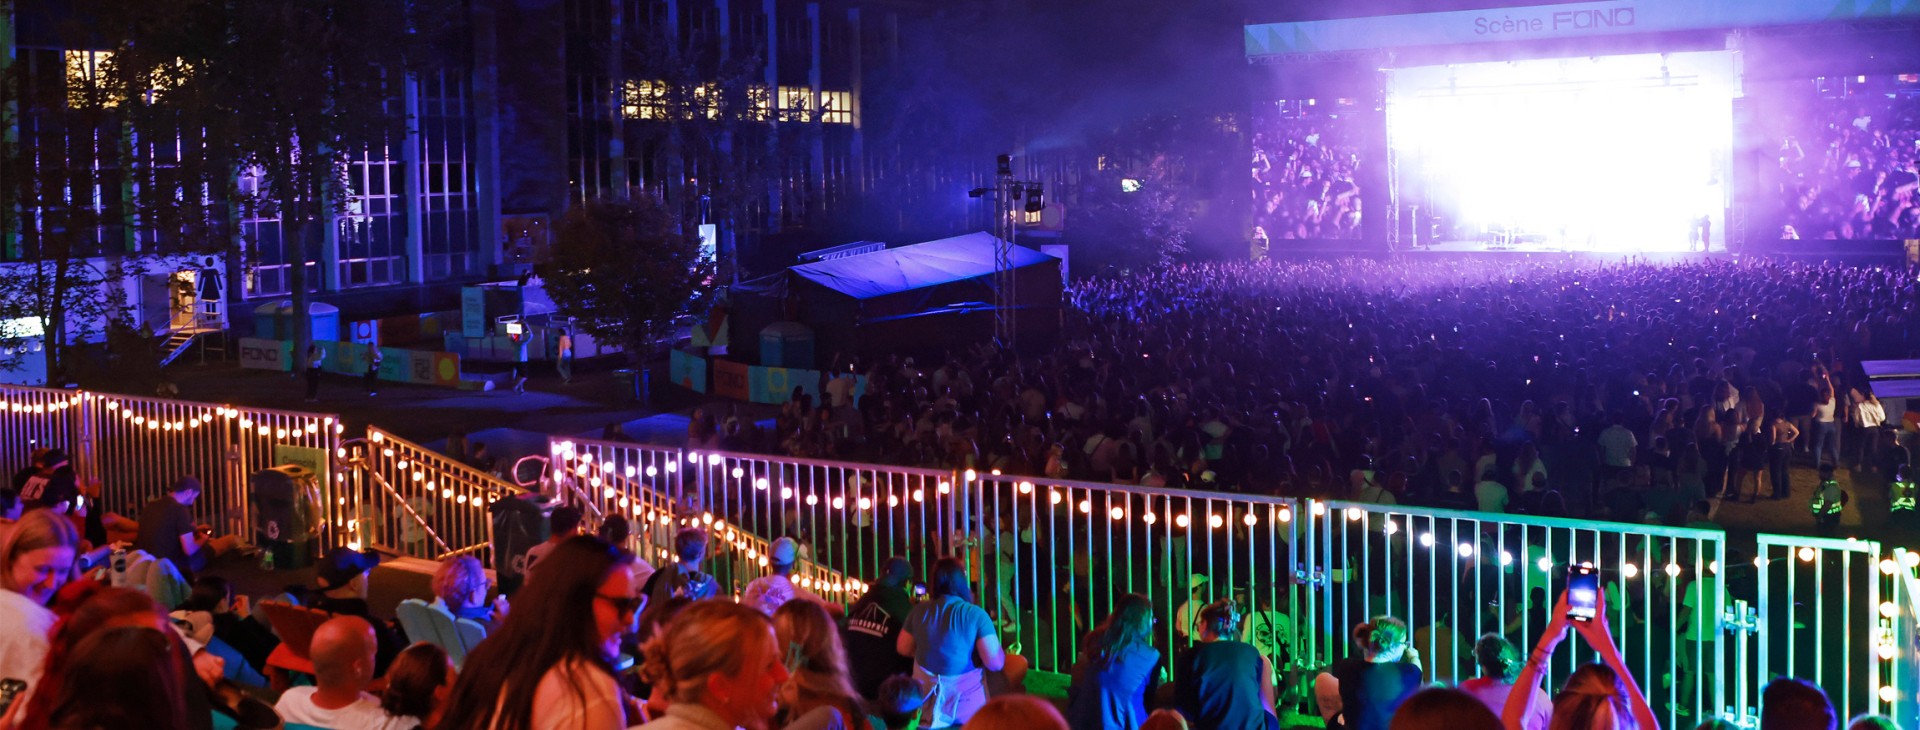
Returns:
(1702,625)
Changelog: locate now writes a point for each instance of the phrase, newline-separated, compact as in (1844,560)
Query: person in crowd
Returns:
(341,583)
(141,665)
(719,666)
(372,362)
(343,651)
(683,578)
(1489,494)
(1165,719)
(819,692)
(953,643)
(1500,665)
(316,359)
(896,705)
(1598,695)
(86,609)
(1796,704)
(1017,712)
(1438,708)
(549,664)
(562,523)
(767,592)
(233,622)
(1872,722)
(873,628)
(1186,618)
(168,531)
(1222,683)
(1382,673)
(1117,670)
(36,559)
(618,532)
(54,485)
(460,587)
(418,684)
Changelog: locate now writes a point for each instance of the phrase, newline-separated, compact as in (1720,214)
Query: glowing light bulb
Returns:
(1544,564)
(1426,539)
(1117,513)
(1630,570)
(1806,554)
(1673,570)
(1465,549)
(1180,520)
(1149,518)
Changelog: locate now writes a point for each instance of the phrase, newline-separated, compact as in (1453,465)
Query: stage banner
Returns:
(1574,20)
(262,354)
(730,380)
(688,371)
(775,385)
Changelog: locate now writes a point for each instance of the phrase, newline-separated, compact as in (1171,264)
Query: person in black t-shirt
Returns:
(167,530)
(873,629)
(1382,674)
(1221,683)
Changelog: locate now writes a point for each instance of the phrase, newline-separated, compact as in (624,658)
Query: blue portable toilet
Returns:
(786,345)
(274,320)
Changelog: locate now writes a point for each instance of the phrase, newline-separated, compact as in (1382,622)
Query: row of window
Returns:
(655,100)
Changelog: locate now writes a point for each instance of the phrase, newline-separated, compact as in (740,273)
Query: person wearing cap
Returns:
(53,487)
(1186,618)
(341,587)
(35,462)
(168,532)
(768,592)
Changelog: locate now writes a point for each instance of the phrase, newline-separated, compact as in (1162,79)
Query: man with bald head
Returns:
(342,652)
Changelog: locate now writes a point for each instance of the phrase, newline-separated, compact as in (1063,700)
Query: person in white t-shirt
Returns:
(342,653)
(1490,495)
(36,559)
(767,592)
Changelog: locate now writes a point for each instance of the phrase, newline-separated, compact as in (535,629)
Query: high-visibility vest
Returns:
(1903,497)
(1824,506)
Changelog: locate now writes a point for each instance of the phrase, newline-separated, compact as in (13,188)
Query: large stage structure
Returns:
(1703,618)
(1613,127)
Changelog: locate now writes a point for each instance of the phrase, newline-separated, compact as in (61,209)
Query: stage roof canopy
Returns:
(877,274)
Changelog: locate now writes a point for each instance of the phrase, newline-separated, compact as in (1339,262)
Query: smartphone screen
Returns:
(1583,592)
(920,590)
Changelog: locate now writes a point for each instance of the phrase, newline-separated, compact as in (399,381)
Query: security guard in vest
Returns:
(1828,500)
(1901,491)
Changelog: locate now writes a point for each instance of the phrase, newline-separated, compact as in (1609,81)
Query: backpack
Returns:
(669,582)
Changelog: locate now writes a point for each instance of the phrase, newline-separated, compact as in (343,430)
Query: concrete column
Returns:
(483,107)
(816,129)
(411,161)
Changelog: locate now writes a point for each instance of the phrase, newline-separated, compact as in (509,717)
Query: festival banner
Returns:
(730,380)
(688,371)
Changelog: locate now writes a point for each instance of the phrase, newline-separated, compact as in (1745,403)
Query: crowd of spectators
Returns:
(1304,170)
(1850,172)
(1628,390)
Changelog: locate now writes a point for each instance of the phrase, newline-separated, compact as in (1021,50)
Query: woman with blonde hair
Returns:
(1597,697)
(36,559)
(819,691)
(460,587)
(719,666)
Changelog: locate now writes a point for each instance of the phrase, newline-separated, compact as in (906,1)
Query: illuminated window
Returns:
(836,107)
(83,75)
(645,100)
(796,104)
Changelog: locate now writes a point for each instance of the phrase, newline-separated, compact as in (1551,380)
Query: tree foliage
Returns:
(624,267)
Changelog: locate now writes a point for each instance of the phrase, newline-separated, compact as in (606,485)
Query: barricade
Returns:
(414,501)
(1820,617)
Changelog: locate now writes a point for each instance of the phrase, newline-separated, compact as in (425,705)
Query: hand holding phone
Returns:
(1583,592)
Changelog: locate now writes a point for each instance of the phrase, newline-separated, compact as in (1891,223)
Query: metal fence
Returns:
(134,447)
(1820,615)
(1701,625)
(412,500)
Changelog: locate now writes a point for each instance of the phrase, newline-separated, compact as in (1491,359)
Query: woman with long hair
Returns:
(418,683)
(550,665)
(87,614)
(953,644)
(122,677)
(36,559)
(819,690)
(719,666)
(1117,669)
(1439,708)
(1597,697)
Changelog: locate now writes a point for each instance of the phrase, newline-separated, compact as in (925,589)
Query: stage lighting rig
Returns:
(1010,196)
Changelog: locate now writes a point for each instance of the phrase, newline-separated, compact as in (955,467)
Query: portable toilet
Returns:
(274,320)
(786,345)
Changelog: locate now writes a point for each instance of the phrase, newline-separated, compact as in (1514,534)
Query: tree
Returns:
(1129,222)
(624,268)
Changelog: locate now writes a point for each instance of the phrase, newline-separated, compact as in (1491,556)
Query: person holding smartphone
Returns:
(1599,695)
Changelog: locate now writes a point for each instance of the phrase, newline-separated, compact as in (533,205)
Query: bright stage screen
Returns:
(1609,153)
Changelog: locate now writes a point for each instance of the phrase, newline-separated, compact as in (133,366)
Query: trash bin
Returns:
(286,514)
(519,523)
